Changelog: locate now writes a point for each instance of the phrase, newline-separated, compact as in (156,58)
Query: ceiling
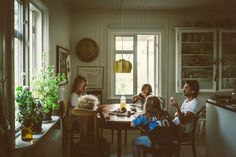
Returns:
(103,5)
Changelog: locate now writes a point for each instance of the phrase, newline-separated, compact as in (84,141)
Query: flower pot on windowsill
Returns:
(45,88)
(37,127)
(26,132)
(47,117)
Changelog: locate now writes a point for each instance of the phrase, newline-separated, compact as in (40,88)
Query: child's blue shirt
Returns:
(153,123)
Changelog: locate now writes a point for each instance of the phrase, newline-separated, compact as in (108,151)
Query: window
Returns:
(18,42)
(29,41)
(143,51)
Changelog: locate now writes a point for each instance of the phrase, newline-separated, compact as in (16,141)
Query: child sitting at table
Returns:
(78,89)
(146,91)
(153,117)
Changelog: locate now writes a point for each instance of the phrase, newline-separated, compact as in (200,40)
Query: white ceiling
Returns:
(82,5)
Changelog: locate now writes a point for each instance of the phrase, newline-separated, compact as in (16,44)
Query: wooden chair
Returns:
(96,93)
(202,121)
(88,143)
(164,142)
(162,101)
(189,138)
(63,112)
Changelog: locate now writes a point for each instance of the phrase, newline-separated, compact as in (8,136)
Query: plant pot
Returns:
(37,127)
(26,133)
(47,117)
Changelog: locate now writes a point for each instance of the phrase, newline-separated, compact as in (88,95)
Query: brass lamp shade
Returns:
(122,66)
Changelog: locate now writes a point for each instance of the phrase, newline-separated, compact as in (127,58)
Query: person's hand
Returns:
(100,108)
(173,102)
(135,99)
(142,96)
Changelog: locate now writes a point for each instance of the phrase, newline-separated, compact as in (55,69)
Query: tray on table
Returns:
(119,113)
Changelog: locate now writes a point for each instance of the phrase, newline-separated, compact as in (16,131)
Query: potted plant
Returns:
(45,88)
(28,113)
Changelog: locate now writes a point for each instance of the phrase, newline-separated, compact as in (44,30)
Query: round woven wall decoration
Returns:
(87,50)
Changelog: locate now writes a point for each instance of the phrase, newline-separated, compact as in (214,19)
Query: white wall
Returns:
(95,25)
(59,33)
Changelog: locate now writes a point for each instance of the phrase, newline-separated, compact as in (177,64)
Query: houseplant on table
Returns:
(28,113)
(45,88)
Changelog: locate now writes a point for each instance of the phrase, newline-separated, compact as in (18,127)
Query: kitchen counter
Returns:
(228,105)
(220,128)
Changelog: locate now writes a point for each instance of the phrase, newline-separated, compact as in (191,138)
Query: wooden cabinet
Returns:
(208,56)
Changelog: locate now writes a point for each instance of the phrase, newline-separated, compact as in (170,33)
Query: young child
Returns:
(78,89)
(153,117)
(146,91)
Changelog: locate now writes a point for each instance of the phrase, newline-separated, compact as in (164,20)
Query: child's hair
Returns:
(147,86)
(152,107)
(78,80)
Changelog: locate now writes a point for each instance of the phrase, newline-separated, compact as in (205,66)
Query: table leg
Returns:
(118,142)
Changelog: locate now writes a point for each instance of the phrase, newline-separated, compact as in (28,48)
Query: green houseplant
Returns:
(45,88)
(29,114)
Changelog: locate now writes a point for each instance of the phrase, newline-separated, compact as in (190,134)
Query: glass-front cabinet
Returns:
(227,60)
(208,56)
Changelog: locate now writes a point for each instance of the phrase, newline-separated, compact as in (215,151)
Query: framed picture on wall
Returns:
(94,75)
(62,63)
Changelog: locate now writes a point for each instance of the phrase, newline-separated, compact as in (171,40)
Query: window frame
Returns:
(25,42)
(157,89)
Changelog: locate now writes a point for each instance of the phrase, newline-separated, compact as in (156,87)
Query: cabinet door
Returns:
(196,58)
(227,60)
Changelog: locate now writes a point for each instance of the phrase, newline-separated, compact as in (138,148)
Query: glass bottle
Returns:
(26,133)
(122,102)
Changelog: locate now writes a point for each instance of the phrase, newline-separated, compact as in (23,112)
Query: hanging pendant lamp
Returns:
(122,66)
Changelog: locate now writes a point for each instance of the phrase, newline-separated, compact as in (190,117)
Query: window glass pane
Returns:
(143,52)
(18,49)
(35,41)
(124,43)
(124,81)
(18,43)
(145,60)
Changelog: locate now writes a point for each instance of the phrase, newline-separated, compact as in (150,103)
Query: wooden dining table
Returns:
(118,121)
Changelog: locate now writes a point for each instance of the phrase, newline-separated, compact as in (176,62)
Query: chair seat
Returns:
(88,143)
(158,148)
(101,149)
(171,149)
(167,139)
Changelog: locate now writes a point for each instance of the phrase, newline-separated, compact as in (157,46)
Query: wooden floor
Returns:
(186,151)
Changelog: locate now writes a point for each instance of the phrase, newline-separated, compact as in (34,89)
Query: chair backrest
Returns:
(195,122)
(97,93)
(162,101)
(63,109)
(87,121)
(164,135)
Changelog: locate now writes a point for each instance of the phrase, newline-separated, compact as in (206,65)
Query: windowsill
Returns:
(19,144)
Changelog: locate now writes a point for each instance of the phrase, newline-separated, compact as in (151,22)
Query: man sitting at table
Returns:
(185,114)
